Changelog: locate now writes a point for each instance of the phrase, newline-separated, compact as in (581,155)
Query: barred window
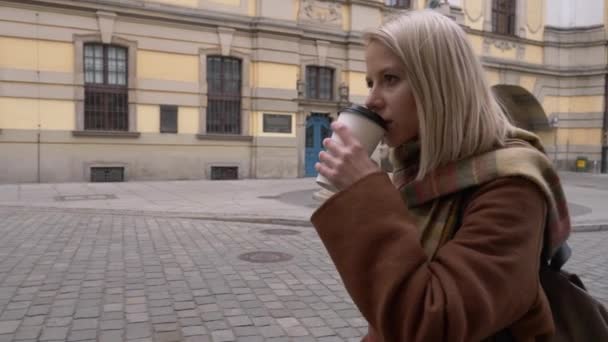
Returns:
(224,95)
(319,82)
(168,119)
(106,105)
(398,3)
(503,17)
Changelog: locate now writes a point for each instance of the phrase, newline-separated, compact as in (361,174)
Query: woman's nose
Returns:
(373,101)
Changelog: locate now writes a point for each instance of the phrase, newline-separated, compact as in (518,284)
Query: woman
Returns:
(449,250)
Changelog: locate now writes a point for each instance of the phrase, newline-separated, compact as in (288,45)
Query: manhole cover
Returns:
(265,257)
(279,231)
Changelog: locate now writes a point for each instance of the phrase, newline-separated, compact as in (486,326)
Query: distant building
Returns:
(95,90)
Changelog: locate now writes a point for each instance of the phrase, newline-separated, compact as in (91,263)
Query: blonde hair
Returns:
(457,111)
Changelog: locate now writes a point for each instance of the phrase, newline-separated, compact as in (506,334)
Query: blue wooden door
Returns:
(317,129)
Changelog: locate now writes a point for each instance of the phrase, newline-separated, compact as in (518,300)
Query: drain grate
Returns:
(279,231)
(85,197)
(265,257)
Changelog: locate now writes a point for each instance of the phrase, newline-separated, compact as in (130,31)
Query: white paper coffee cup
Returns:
(365,125)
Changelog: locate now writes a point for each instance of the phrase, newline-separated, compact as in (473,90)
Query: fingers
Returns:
(329,160)
(344,133)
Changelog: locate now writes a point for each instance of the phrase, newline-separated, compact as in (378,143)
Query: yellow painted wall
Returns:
(186,3)
(148,119)
(473,14)
(234,3)
(19,113)
(346,17)
(252,9)
(187,120)
(357,84)
(476,43)
(167,66)
(573,104)
(493,77)
(535,14)
(528,82)
(258,125)
(533,54)
(546,137)
(17,53)
(274,75)
(579,136)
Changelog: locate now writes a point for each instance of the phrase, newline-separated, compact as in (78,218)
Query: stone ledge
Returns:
(224,137)
(106,134)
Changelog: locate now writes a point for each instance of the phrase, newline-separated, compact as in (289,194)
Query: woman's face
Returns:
(390,94)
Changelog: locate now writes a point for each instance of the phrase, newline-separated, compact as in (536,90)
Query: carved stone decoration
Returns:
(502,45)
(105,20)
(322,12)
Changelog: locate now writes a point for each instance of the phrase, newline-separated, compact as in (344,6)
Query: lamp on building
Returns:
(301,87)
(343,91)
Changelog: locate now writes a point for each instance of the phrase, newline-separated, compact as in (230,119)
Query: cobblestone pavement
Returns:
(82,276)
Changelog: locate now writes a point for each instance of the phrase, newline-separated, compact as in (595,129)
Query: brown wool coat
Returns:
(481,281)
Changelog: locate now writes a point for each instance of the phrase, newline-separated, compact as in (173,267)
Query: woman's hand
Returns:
(344,162)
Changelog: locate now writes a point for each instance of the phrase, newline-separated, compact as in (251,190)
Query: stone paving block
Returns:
(190,321)
(238,321)
(223,336)
(194,331)
(33,321)
(114,324)
(8,338)
(9,327)
(111,336)
(11,315)
(168,336)
(163,319)
(138,330)
(82,335)
(271,331)
(84,324)
(198,338)
(137,317)
(54,333)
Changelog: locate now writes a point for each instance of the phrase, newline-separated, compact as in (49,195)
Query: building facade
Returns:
(100,90)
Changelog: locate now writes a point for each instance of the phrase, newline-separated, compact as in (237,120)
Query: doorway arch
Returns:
(522,107)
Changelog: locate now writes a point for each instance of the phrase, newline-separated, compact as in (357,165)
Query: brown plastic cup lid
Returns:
(367,113)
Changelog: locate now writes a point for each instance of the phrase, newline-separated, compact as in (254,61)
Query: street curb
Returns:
(586,228)
(228,217)
(224,217)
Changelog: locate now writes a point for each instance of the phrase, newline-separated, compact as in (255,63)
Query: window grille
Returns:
(168,119)
(319,82)
(503,17)
(106,105)
(224,95)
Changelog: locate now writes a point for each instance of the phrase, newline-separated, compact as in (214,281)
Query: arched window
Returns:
(503,17)
(106,104)
(224,82)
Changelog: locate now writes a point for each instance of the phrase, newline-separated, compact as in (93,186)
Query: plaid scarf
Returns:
(436,200)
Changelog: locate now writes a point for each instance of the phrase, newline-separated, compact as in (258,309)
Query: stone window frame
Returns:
(520,18)
(246,93)
(79,41)
(338,69)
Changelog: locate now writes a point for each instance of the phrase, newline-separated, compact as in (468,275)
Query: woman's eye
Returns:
(370,84)
(390,79)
